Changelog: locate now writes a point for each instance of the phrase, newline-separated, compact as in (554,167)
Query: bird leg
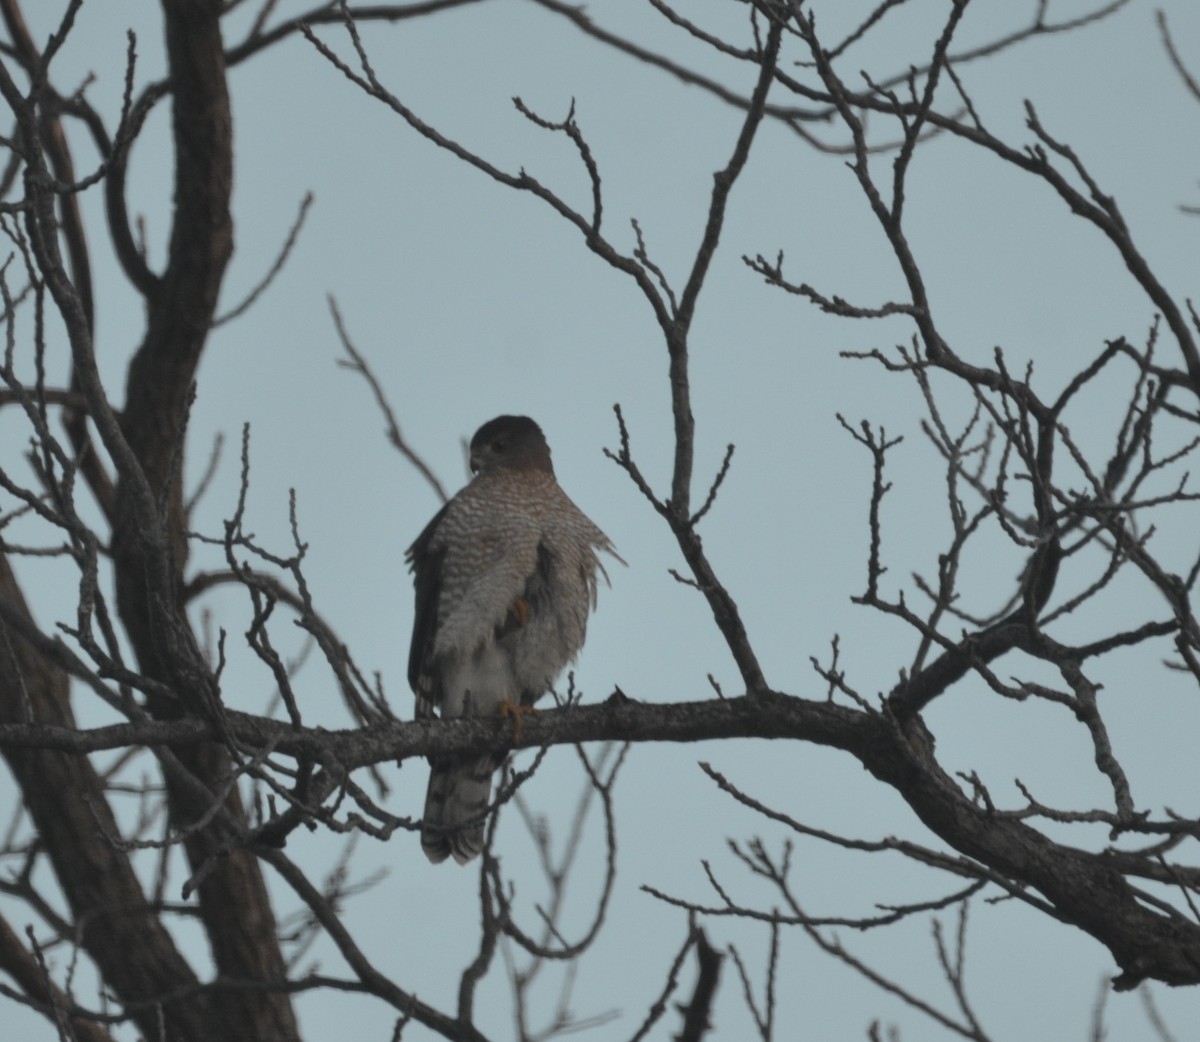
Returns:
(520,611)
(518,614)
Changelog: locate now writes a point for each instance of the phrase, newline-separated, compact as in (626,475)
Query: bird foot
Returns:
(517,712)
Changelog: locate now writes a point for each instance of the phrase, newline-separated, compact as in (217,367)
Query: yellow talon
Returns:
(516,712)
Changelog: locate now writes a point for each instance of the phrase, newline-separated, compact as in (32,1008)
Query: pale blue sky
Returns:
(470,300)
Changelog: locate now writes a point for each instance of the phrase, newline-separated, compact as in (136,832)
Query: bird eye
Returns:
(499,445)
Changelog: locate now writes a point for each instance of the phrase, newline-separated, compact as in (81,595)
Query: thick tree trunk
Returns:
(69,808)
(234,905)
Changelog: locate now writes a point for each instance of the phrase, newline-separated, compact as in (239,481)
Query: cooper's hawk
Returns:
(505,575)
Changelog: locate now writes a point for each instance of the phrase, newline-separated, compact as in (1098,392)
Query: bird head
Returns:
(510,443)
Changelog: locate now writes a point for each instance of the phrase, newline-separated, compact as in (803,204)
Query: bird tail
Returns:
(455,802)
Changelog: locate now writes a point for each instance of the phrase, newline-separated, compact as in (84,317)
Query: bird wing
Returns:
(425,560)
(470,565)
(483,576)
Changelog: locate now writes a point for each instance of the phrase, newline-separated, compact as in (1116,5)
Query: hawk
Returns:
(505,575)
